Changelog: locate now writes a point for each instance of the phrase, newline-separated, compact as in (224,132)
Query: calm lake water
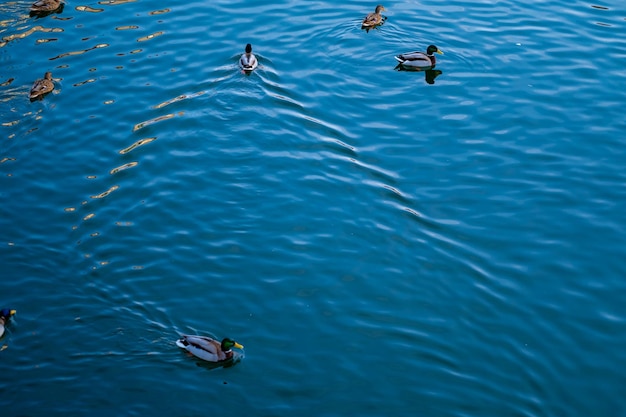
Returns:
(382,242)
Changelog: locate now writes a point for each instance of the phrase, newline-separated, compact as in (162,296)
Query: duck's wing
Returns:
(41,87)
(201,342)
(45,5)
(412,56)
(371,19)
(201,346)
(248,61)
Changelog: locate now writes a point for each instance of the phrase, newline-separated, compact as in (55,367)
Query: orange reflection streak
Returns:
(88,9)
(148,37)
(29,32)
(91,80)
(179,98)
(152,121)
(162,11)
(106,193)
(100,45)
(123,167)
(115,2)
(137,144)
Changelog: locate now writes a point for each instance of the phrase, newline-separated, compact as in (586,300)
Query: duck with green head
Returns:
(208,349)
(5,315)
(419,59)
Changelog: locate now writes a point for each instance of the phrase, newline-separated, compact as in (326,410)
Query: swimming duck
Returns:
(42,87)
(5,315)
(207,348)
(248,61)
(373,19)
(45,7)
(419,59)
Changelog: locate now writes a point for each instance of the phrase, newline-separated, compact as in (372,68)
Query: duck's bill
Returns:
(238,346)
(439,51)
(13,312)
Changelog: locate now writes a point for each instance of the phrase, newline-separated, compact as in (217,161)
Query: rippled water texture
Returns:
(381,241)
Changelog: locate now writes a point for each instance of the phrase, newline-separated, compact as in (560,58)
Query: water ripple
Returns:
(446,246)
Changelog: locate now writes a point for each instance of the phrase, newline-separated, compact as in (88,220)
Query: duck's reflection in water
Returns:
(429,74)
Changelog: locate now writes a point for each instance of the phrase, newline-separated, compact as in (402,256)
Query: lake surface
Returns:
(382,242)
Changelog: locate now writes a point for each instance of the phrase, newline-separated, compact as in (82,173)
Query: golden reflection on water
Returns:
(34,29)
(137,144)
(127,27)
(100,45)
(91,80)
(123,167)
(155,120)
(148,37)
(115,2)
(157,12)
(106,193)
(179,98)
(88,9)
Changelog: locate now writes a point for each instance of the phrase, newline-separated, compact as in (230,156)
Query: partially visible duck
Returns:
(41,87)
(5,315)
(46,7)
(418,59)
(373,19)
(207,348)
(248,61)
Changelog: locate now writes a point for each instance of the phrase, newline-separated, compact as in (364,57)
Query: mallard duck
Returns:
(207,348)
(373,19)
(248,61)
(419,59)
(45,7)
(42,87)
(5,315)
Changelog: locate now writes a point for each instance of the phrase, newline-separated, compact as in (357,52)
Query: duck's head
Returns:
(380,8)
(6,314)
(248,48)
(48,75)
(228,344)
(432,49)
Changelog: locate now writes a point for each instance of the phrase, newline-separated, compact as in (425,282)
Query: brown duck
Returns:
(42,87)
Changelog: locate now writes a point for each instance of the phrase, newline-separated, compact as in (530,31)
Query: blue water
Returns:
(380,244)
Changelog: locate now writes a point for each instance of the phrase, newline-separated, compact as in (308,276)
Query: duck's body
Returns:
(248,61)
(45,6)
(373,19)
(418,59)
(5,315)
(41,87)
(207,348)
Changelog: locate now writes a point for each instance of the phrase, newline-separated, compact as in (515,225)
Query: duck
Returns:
(208,349)
(45,7)
(42,87)
(419,59)
(373,19)
(248,61)
(5,315)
